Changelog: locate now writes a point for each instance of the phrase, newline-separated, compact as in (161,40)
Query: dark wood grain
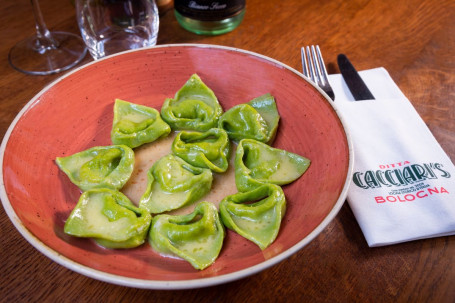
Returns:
(413,39)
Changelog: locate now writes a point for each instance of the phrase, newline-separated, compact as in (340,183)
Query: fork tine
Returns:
(307,63)
(306,71)
(325,81)
(322,66)
(317,68)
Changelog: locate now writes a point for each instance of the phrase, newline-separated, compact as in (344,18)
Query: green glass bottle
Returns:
(206,17)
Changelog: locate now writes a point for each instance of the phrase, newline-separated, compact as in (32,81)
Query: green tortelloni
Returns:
(259,221)
(196,237)
(194,107)
(257,163)
(257,119)
(110,218)
(135,124)
(99,167)
(208,149)
(173,183)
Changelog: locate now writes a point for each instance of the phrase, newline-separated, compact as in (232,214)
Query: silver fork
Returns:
(314,68)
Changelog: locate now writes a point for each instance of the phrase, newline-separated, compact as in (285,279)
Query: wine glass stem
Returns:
(44,39)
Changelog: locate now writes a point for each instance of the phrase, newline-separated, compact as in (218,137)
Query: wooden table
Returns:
(413,39)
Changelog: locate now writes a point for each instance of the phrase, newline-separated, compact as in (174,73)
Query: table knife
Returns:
(352,78)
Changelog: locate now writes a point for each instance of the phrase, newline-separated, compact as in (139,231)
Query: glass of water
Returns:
(112,26)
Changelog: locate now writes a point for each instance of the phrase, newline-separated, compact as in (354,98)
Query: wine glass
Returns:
(46,52)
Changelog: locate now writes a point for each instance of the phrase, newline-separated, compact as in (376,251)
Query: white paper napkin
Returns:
(403,185)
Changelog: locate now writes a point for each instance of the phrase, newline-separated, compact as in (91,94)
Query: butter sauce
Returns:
(147,154)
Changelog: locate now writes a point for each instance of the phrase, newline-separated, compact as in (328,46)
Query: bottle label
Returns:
(205,10)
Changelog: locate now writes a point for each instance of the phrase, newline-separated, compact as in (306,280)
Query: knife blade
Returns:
(352,78)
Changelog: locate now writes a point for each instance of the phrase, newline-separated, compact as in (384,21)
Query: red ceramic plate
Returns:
(75,113)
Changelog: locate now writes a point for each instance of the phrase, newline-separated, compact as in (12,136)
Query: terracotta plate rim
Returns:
(181,284)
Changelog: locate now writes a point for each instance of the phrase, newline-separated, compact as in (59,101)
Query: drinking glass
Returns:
(46,52)
(111,26)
